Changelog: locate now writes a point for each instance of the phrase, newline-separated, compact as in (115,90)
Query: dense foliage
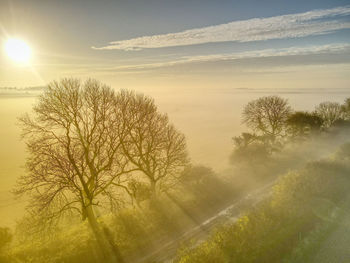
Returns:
(273,125)
(271,230)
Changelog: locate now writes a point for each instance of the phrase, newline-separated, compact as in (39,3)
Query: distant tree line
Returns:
(272,123)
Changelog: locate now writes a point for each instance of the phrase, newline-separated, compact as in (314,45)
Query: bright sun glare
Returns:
(18,50)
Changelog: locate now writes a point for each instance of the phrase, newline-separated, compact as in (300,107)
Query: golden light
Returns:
(18,50)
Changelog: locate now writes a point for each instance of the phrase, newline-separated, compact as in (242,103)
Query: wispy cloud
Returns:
(310,23)
(263,53)
(20,92)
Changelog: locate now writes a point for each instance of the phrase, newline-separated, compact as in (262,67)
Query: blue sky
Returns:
(105,39)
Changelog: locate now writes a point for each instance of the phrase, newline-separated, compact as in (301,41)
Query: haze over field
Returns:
(209,120)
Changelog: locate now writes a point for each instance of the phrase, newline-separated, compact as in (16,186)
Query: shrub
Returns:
(270,231)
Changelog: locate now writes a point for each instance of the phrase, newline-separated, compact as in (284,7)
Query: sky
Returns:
(179,45)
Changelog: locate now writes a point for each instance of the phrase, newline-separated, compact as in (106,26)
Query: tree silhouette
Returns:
(346,108)
(267,116)
(244,140)
(301,123)
(5,237)
(73,139)
(152,144)
(329,112)
(5,240)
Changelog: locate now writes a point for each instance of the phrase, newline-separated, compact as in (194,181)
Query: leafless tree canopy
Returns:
(152,144)
(87,142)
(267,115)
(73,138)
(346,108)
(329,112)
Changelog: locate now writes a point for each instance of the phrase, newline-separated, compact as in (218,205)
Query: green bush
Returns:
(271,230)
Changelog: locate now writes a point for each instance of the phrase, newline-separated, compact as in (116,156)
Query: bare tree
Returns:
(152,144)
(73,139)
(329,112)
(346,108)
(267,115)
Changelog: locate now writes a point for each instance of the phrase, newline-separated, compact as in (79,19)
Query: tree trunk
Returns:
(154,196)
(105,254)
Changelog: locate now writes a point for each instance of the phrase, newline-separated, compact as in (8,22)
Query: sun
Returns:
(18,50)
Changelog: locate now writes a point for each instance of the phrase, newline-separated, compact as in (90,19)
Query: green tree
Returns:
(302,123)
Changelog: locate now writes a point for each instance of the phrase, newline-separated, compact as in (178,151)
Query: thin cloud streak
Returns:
(291,51)
(316,22)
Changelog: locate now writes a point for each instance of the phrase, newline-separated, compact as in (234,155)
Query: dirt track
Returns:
(167,252)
